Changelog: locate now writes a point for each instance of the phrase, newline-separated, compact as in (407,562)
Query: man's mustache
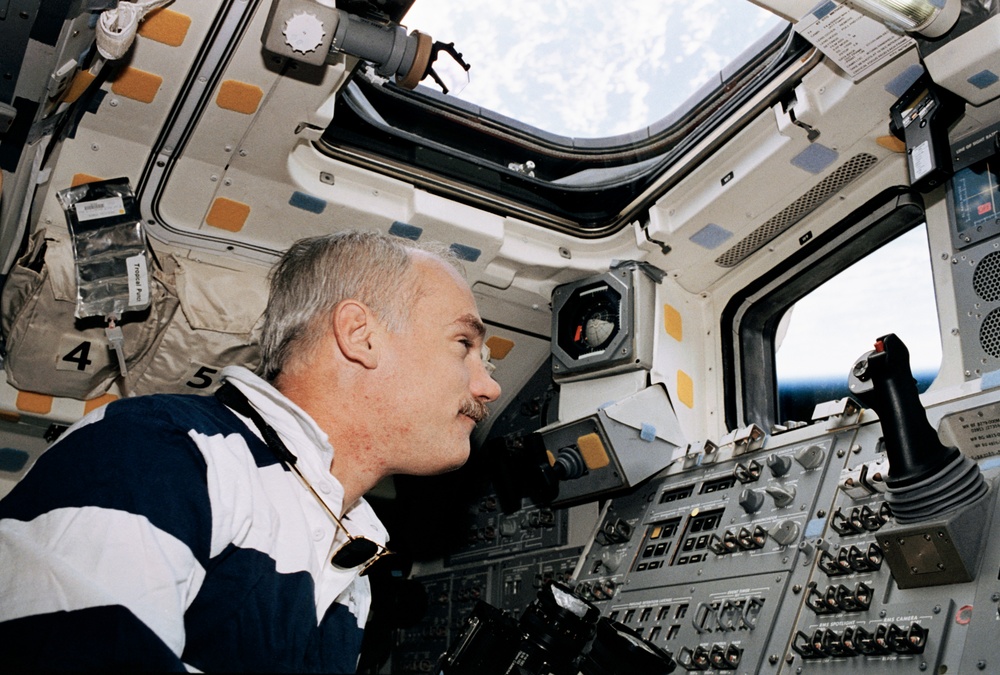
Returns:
(477,410)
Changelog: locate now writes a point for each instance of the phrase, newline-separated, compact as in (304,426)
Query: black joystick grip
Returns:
(882,380)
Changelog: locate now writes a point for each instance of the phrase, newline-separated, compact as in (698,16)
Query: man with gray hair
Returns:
(230,532)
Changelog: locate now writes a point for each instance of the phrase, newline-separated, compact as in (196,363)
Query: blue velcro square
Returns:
(405,231)
(815,527)
(984,79)
(467,253)
(815,158)
(990,380)
(823,9)
(301,200)
(647,433)
(711,236)
(12,460)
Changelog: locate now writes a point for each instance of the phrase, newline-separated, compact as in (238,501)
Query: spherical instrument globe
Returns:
(598,328)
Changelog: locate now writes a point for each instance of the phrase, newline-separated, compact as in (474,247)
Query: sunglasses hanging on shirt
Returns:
(356,551)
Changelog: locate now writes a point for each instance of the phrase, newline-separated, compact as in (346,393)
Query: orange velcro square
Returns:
(227,214)
(137,84)
(672,322)
(499,347)
(239,96)
(30,402)
(79,85)
(685,389)
(83,179)
(166,26)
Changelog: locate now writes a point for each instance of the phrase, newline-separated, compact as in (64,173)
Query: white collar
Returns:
(287,418)
(300,432)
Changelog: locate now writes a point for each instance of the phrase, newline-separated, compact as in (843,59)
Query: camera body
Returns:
(558,634)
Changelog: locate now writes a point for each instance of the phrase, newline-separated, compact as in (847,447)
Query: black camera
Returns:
(558,634)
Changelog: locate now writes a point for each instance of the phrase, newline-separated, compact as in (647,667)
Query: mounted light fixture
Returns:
(929,18)
(315,32)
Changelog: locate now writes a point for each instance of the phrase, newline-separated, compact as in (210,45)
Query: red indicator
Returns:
(984,208)
(579,333)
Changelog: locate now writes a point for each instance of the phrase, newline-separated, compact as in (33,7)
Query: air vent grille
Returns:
(989,334)
(797,210)
(986,279)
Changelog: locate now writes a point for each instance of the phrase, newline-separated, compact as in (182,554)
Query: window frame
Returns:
(449,147)
(751,318)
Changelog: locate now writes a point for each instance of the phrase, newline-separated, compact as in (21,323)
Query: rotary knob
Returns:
(779,465)
(751,500)
(783,496)
(810,457)
(304,32)
(785,533)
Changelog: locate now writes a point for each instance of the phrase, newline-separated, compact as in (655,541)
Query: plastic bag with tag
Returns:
(109,249)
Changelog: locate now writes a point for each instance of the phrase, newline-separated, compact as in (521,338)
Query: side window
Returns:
(821,336)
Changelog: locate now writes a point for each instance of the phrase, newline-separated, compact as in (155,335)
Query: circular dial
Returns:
(598,327)
(589,321)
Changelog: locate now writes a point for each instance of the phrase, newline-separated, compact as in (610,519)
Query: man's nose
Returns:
(484,387)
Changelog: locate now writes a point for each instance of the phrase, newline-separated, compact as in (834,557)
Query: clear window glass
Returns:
(824,333)
(590,68)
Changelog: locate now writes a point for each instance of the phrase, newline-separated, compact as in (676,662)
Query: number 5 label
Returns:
(203,378)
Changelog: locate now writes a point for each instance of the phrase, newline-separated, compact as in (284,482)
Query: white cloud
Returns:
(582,69)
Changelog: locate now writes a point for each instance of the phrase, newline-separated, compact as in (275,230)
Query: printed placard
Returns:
(100,208)
(855,42)
(138,281)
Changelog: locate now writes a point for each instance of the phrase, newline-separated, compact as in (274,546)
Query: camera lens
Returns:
(618,650)
(556,627)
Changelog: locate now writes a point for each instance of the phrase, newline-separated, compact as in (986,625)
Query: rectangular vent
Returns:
(797,210)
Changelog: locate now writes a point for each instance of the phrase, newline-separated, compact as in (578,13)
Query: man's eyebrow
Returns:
(471,322)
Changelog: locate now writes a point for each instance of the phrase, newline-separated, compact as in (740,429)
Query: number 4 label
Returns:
(81,356)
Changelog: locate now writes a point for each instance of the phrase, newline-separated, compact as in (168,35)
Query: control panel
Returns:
(861,540)
(452,595)
(793,559)
(704,562)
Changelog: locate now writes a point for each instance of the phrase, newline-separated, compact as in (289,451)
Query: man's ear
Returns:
(354,328)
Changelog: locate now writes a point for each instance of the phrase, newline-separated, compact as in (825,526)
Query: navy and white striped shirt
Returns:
(161,533)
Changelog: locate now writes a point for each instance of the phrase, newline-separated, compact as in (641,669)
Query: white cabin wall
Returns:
(852,118)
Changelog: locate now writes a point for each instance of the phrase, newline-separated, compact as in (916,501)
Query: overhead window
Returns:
(574,110)
(591,69)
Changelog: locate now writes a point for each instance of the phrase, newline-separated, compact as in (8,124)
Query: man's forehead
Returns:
(443,292)
(473,323)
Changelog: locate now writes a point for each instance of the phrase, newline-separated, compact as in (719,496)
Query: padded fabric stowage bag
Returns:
(49,351)
(202,318)
(217,326)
